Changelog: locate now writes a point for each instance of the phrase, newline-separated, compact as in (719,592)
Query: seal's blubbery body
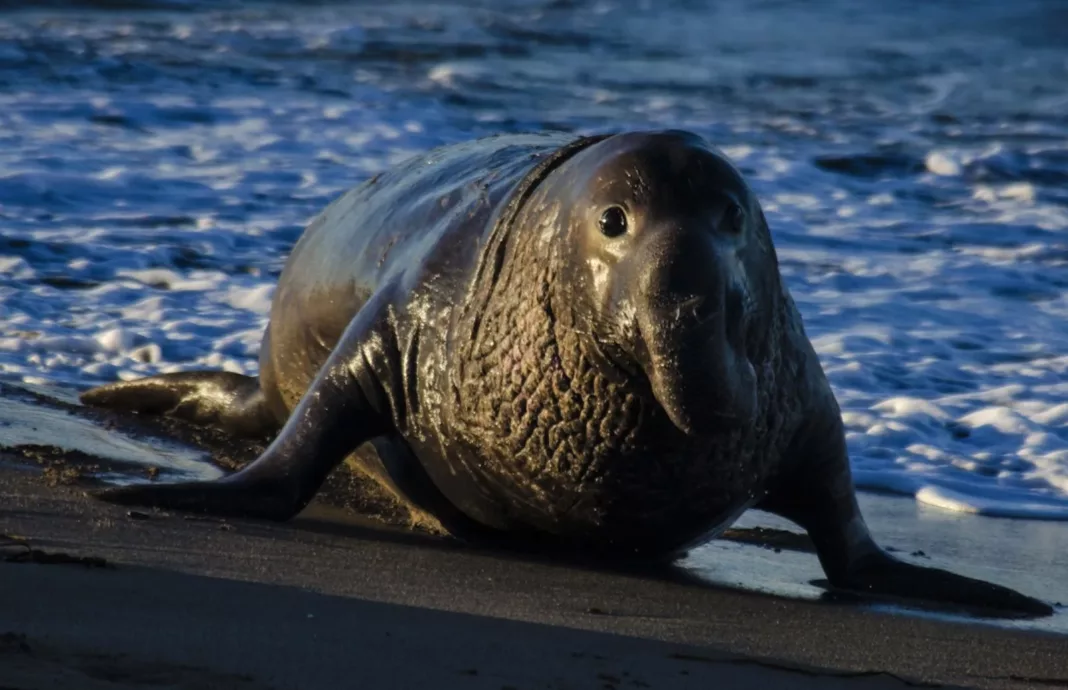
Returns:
(585,338)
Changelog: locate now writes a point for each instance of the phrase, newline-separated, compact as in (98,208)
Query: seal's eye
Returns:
(613,222)
(734,219)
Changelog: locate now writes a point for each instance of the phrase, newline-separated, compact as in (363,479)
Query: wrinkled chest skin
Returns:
(554,438)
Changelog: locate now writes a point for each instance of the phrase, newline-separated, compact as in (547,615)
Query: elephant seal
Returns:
(584,338)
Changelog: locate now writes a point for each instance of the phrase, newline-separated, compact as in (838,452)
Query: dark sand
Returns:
(330,601)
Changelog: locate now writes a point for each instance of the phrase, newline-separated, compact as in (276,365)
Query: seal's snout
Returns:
(686,294)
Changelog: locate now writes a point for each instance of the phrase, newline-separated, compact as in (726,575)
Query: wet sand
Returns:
(97,596)
(319,603)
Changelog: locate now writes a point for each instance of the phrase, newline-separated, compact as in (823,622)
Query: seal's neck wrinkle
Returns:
(491,259)
(526,386)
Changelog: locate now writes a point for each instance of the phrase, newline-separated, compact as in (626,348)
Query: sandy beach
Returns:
(98,596)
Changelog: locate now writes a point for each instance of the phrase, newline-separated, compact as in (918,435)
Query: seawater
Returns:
(159,159)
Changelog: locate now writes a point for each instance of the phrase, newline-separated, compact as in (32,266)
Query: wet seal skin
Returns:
(579,340)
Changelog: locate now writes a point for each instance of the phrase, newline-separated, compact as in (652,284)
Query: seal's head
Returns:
(673,270)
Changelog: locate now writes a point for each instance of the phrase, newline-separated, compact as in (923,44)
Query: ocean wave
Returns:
(156,167)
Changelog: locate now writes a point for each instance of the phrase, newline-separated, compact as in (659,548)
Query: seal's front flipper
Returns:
(817,493)
(222,399)
(231,496)
(346,405)
(880,574)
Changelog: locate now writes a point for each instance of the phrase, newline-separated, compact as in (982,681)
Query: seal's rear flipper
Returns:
(816,491)
(222,399)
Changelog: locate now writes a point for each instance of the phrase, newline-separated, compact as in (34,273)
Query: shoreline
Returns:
(316,603)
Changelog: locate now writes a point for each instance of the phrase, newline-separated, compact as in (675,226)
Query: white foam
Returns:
(941,163)
(146,214)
